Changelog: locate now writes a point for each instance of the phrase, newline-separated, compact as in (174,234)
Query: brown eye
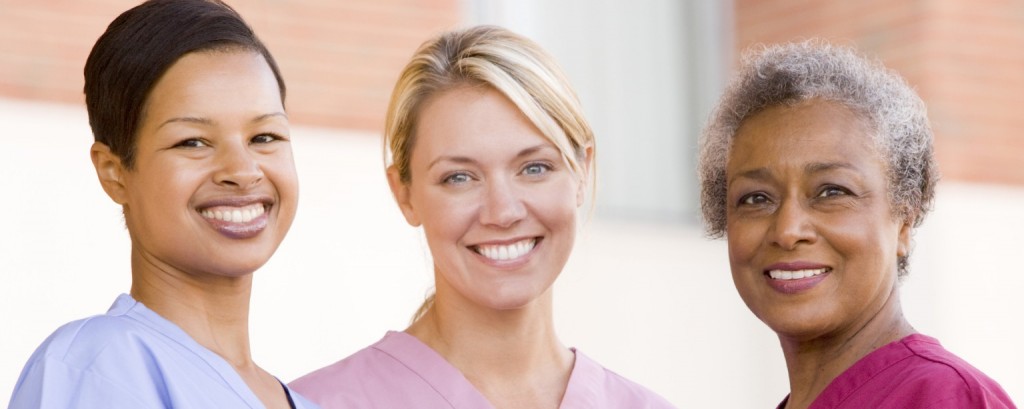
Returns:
(832,191)
(191,143)
(754,199)
(264,138)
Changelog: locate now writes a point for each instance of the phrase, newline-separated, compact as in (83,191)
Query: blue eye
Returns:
(536,169)
(456,179)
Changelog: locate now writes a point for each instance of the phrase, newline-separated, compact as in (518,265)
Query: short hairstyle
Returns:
(786,74)
(139,46)
(487,56)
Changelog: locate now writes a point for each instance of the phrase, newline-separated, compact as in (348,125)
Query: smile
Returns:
(237,222)
(506,252)
(796,274)
(234,214)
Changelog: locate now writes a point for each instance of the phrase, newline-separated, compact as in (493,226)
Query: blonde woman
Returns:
(492,157)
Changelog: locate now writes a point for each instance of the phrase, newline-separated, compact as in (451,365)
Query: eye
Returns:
(754,199)
(536,169)
(833,190)
(191,143)
(265,138)
(457,178)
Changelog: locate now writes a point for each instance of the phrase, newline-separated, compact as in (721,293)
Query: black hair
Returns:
(139,46)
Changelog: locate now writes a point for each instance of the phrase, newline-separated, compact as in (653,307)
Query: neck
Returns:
(213,310)
(814,363)
(512,356)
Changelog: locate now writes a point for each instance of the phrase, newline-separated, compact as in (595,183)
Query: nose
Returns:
(792,225)
(503,205)
(237,167)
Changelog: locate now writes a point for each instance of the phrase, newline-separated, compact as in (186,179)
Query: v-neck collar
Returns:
(128,306)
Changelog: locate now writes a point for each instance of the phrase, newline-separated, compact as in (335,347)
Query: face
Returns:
(495,198)
(214,188)
(813,242)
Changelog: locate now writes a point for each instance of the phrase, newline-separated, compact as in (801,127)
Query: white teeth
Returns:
(509,252)
(795,275)
(235,215)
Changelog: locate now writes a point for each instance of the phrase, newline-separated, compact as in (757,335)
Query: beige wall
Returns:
(653,302)
(339,58)
(966,58)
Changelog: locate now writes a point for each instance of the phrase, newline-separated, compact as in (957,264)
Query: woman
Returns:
(491,155)
(186,105)
(817,166)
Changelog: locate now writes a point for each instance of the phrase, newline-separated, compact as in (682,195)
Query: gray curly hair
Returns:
(794,72)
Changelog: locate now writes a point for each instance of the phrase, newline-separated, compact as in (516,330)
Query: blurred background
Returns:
(644,293)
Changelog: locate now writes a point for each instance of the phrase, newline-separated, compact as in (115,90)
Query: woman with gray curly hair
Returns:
(816,166)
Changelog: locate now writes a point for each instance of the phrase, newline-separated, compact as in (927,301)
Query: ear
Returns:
(587,167)
(400,191)
(904,242)
(110,172)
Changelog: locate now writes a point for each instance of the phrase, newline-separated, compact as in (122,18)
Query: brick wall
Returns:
(339,58)
(965,58)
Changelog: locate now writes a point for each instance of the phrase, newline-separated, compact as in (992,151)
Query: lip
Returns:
(799,285)
(237,230)
(506,264)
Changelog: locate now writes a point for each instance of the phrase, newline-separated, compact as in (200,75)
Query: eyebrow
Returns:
(814,167)
(208,121)
(465,159)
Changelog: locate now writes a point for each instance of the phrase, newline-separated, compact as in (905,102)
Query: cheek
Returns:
(556,208)
(444,218)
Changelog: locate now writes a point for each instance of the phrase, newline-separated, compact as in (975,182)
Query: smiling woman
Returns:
(187,109)
(492,157)
(817,166)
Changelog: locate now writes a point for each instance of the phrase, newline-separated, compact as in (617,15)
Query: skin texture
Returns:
(482,175)
(806,190)
(213,137)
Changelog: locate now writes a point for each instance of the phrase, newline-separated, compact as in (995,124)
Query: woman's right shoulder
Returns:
(80,359)
(82,342)
(380,375)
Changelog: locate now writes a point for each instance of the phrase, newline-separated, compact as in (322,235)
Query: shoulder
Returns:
(938,373)
(362,379)
(88,341)
(592,383)
(92,354)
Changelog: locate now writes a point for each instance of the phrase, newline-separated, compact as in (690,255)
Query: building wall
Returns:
(339,58)
(966,59)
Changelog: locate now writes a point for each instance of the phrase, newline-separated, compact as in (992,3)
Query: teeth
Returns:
(795,275)
(235,215)
(509,252)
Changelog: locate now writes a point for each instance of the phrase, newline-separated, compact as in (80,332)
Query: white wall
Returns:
(652,302)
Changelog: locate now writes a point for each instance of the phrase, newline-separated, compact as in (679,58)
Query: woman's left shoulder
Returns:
(593,385)
(937,372)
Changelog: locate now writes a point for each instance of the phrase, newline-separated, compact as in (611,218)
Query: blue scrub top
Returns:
(130,357)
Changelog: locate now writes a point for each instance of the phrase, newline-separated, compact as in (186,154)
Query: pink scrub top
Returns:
(399,371)
(913,372)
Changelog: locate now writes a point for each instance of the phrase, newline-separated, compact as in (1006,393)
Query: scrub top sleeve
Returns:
(51,384)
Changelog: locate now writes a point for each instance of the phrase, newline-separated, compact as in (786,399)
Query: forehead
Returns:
(470,120)
(215,83)
(814,130)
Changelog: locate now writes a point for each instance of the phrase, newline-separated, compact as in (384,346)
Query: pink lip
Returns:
(504,242)
(234,230)
(797,285)
(506,264)
(236,201)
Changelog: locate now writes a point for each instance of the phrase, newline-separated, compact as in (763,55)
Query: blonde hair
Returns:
(494,57)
